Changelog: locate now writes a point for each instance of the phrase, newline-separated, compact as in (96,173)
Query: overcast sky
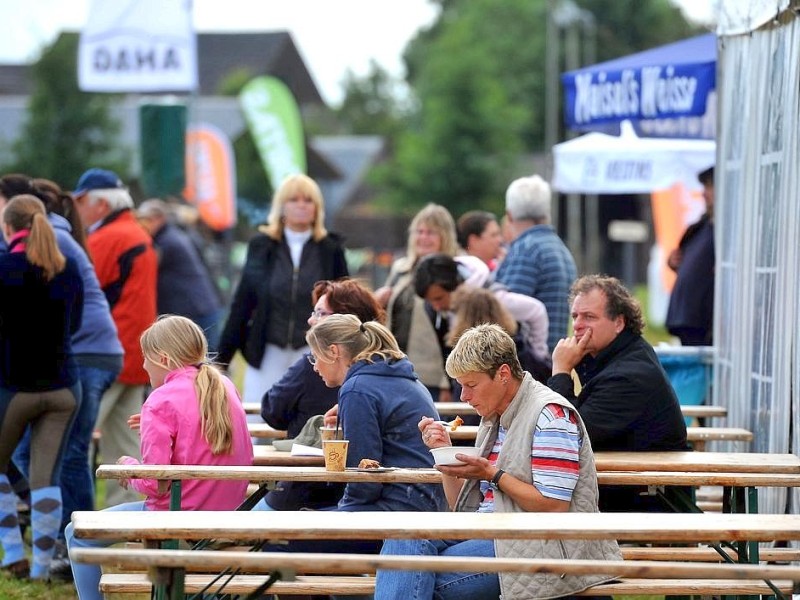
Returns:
(333,36)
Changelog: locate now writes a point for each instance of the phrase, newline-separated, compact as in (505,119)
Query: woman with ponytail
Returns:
(193,416)
(38,374)
(380,402)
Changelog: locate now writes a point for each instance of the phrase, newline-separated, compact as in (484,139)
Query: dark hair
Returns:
(61,203)
(14,184)
(349,297)
(706,177)
(473,222)
(618,299)
(436,269)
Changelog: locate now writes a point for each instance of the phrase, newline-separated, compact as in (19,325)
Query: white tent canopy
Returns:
(598,163)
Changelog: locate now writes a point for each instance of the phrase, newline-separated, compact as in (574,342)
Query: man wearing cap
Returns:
(126,267)
(690,315)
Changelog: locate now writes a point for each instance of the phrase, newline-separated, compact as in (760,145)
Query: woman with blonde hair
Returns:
(38,374)
(380,401)
(270,307)
(301,395)
(193,416)
(475,306)
(418,328)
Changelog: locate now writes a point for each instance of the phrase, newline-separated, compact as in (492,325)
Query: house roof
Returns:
(218,56)
(270,53)
(15,80)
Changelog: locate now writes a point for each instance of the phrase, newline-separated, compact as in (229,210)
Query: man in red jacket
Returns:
(127,267)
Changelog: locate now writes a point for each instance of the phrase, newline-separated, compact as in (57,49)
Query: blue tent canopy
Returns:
(665,82)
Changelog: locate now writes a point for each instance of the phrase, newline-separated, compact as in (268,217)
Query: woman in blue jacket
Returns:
(381,400)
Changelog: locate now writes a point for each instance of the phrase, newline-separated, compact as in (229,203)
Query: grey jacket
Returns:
(519,420)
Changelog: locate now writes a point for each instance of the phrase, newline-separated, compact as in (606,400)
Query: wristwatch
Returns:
(495,482)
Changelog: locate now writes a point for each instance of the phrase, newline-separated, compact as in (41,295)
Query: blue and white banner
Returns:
(666,82)
(138,46)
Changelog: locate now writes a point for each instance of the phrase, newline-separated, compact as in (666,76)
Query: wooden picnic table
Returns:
(153,527)
(399,475)
(310,525)
(730,462)
(727,462)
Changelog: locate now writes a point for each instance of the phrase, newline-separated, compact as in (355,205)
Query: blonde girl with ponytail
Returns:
(193,416)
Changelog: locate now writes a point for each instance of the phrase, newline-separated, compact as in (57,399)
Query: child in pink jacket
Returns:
(192,417)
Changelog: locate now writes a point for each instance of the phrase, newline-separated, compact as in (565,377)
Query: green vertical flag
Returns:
(274,120)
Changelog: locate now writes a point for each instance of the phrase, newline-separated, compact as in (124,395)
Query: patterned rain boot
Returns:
(14,560)
(46,511)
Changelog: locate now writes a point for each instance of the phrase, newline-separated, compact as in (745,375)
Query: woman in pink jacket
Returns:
(193,417)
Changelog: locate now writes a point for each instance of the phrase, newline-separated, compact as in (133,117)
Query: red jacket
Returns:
(127,267)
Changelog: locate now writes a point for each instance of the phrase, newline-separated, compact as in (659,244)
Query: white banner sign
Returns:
(597,163)
(138,46)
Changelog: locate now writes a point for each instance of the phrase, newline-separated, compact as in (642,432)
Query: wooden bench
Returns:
(153,527)
(697,436)
(451,409)
(700,411)
(168,561)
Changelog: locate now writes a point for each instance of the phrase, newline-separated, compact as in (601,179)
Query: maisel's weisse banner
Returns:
(138,46)
(665,82)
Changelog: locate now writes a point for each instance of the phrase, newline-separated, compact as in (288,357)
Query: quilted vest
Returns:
(519,420)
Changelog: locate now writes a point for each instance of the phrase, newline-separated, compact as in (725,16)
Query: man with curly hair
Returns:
(625,398)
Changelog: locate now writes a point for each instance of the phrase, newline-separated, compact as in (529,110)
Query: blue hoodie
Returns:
(380,405)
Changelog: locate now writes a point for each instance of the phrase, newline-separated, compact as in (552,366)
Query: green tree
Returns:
(478,74)
(373,104)
(66,131)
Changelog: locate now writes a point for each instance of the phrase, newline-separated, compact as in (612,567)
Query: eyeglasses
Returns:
(318,313)
(312,360)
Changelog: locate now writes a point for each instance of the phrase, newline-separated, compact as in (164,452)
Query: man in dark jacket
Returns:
(185,286)
(626,399)
(691,305)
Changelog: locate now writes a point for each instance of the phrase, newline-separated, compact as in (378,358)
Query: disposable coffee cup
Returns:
(330,433)
(335,452)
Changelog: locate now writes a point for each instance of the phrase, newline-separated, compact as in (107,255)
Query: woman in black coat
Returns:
(269,312)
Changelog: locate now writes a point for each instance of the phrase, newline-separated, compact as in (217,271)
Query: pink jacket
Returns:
(171,434)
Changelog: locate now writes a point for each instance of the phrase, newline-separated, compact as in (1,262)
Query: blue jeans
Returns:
(426,585)
(77,483)
(87,577)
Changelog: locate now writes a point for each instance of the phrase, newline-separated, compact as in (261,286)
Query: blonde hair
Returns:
(475,306)
(183,344)
(41,248)
(484,349)
(295,185)
(360,341)
(438,218)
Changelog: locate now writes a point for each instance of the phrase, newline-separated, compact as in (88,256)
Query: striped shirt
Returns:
(539,265)
(555,450)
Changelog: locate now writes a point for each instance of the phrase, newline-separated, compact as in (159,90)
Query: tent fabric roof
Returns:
(669,81)
(700,49)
